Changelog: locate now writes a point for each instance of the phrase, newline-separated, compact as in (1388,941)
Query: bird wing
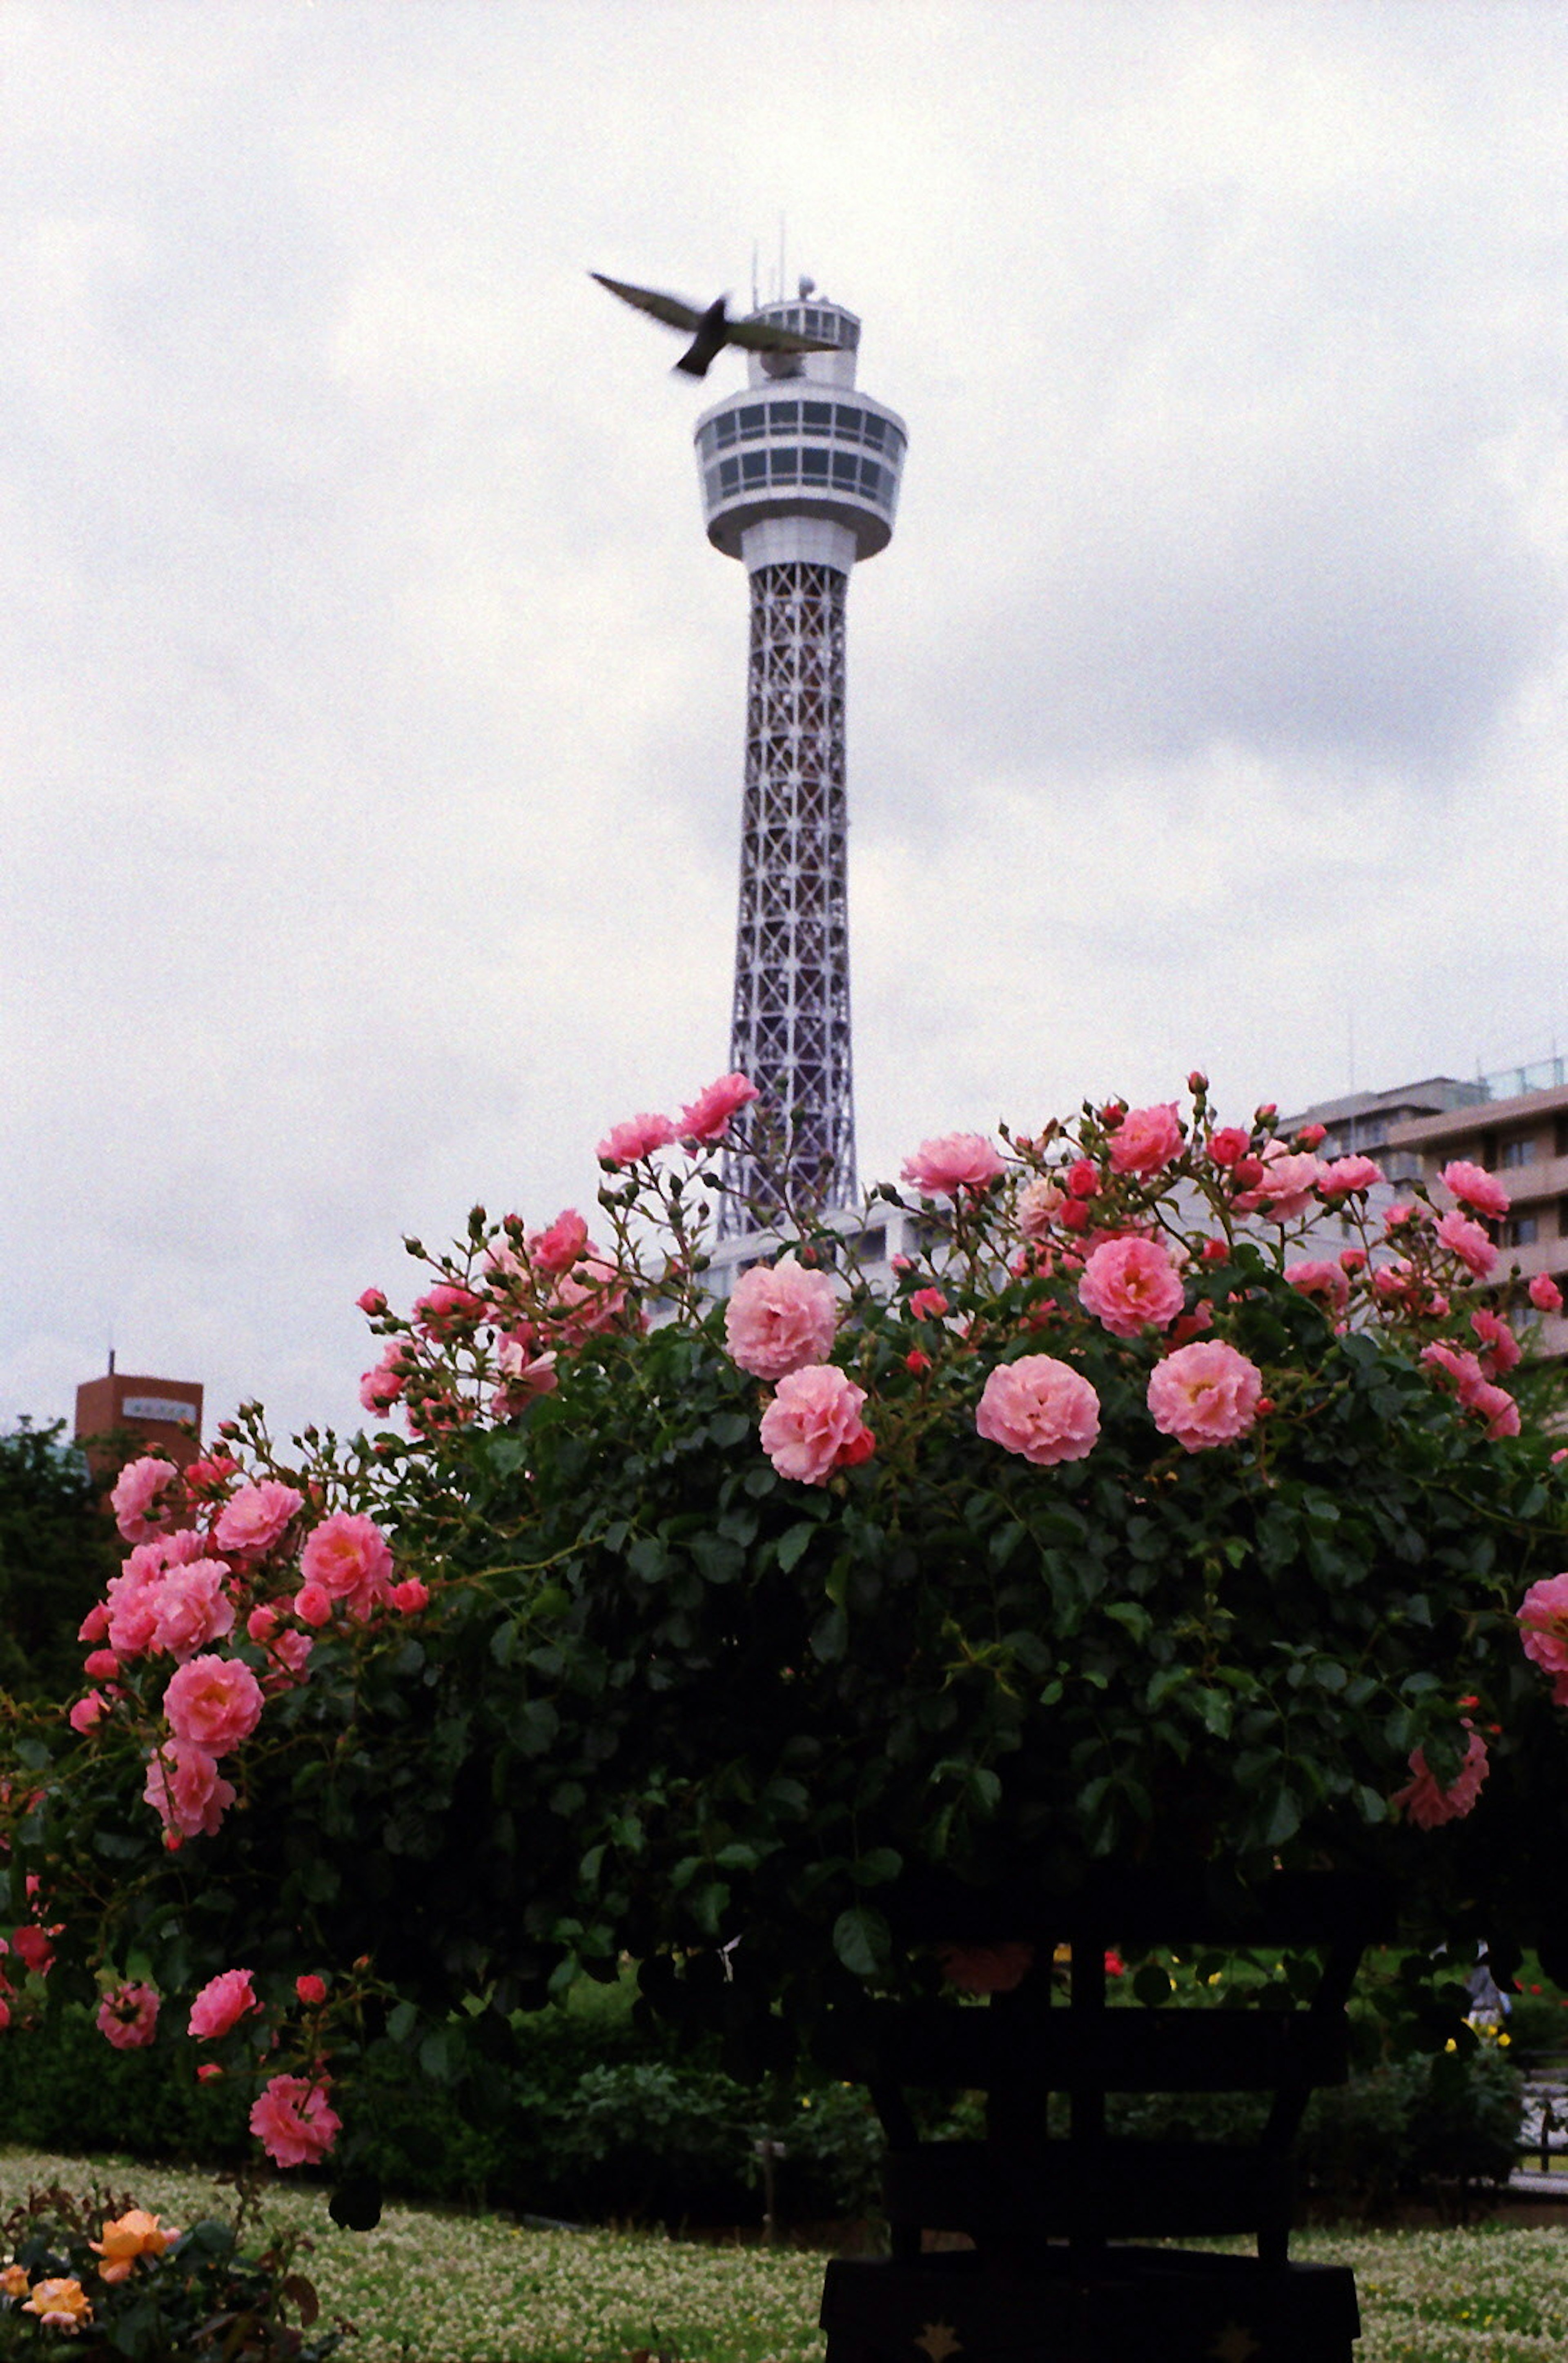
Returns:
(762,337)
(668,308)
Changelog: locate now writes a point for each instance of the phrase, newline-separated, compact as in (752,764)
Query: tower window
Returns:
(818,414)
(814,466)
(871,479)
(784,414)
(753,467)
(848,422)
(753,421)
(785,466)
(846,470)
(872,431)
(723,429)
(730,474)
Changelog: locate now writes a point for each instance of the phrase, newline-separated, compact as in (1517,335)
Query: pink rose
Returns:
(409,1596)
(522,1374)
(293,2122)
(446,1311)
(1038,1200)
(258,1516)
(131,1597)
(628,1143)
(1543,1622)
(182,1785)
(558,1249)
(137,1500)
(372,1301)
(1228,1145)
(313,1605)
(88,1713)
(708,1118)
(813,1425)
(1204,1394)
(780,1317)
(348,1557)
(379,1388)
(1322,1280)
(1497,1406)
(1429,1806)
(1544,1294)
(129,2017)
(1284,1187)
(222,2003)
(1474,1188)
(191,1607)
(312,1991)
(1039,1407)
(1146,1141)
(1469,1242)
(213,1703)
(984,1968)
(590,1296)
(1503,1348)
(1130,1284)
(1347,1176)
(959,1161)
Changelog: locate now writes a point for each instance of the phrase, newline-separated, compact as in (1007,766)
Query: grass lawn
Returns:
(450,2288)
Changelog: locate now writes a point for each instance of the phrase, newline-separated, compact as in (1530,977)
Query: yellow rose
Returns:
(126,2238)
(14,2281)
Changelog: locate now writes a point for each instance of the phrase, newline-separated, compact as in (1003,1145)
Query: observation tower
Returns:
(800,478)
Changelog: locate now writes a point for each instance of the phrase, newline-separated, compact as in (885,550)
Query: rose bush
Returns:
(1118,1527)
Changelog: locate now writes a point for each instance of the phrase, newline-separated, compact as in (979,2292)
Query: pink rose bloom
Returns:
(445,1310)
(1497,1406)
(1228,1145)
(959,1161)
(1543,1622)
(523,1375)
(1544,1294)
(927,1305)
(1455,1363)
(1130,1284)
(222,2003)
(372,1301)
(1038,1202)
(1348,1175)
(130,1600)
(984,1968)
(213,1703)
(293,2122)
(409,1596)
(1204,1394)
(129,2017)
(1146,1141)
(379,1388)
(137,1499)
(1480,1191)
(590,1296)
(1469,1242)
(1322,1280)
(558,1249)
(708,1118)
(813,1425)
(182,1785)
(313,1605)
(1039,1408)
(95,1626)
(312,1991)
(1284,1188)
(780,1317)
(628,1143)
(190,1608)
(291,1651)
(348,1557)
(101,1664)
(1429,1806)
(88,1713)
(1503,1348)
(258,1516)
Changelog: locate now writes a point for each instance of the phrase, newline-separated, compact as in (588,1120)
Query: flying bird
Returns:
(711,330)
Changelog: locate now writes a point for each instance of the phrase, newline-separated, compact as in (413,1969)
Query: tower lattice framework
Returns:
(800,476)
(790,1031)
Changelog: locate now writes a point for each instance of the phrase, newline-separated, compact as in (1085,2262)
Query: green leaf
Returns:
(1133,1616)
(504,1644)
(794,1544)
(648,1559)
(401,2021)
(862,1940)
(537,1725)
(878,1868)
(830,1637)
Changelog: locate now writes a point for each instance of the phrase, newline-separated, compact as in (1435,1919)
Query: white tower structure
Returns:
(800,478)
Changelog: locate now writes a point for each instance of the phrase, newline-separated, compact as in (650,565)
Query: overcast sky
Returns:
(371,705)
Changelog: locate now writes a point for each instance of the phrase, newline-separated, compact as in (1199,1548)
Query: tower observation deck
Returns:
(800,478)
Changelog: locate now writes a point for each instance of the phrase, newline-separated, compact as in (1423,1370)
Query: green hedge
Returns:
(596,2119)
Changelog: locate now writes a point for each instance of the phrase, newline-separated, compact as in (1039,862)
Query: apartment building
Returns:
(1523,1138)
